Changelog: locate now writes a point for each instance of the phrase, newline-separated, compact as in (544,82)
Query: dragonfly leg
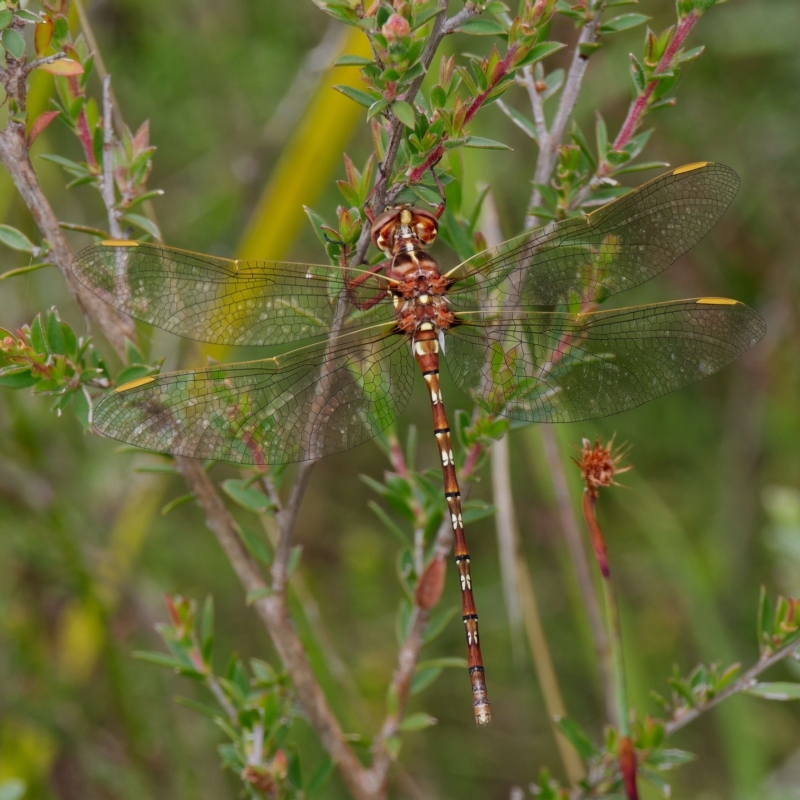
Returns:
(439,210)
(352,285)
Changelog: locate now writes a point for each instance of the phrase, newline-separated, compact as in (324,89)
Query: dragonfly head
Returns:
(404,224)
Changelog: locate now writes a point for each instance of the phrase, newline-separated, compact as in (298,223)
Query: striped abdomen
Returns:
(426,352)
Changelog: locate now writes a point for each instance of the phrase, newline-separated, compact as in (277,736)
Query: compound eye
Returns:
(426,231)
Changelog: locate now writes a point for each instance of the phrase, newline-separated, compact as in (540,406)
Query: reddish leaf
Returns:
(431,584)
(64,67)
(43,34)
(142,137)
(40,123)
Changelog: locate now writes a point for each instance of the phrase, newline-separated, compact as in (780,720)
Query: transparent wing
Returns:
(616,247)
(311,402)
(222,301)
(559,367)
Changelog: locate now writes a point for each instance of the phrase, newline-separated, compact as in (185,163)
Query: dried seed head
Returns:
(599,465)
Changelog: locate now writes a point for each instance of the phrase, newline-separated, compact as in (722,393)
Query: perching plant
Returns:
(421,106)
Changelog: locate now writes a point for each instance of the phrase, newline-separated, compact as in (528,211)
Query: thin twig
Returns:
(274,613)
(549,144)
(639,106)
(272,609)
(220,696)
(44,60)
(107,184)
(742,684)
(441,28)
(14,155)
(287,517)
(537,104)
(548,149)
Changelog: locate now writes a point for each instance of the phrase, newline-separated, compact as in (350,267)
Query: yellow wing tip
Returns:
(133,384)
(690,167)
(119,243)
(716,301)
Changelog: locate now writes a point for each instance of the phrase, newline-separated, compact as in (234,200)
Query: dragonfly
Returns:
(517,324)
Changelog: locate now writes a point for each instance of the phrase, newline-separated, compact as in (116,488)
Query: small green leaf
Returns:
(576,737)
(658,781)
(417,722)
(362,98)
(178,501)
(133,373)
(669,758)
(17,377)
(481,143)
(389,522)
(83,408)
(519,119)
(481,26)
(641,167)
(200,708)
(15,239)
(764,619)
(539,52)
(247,496)
(255,544)
(404,112)
(319,779)
(144,223)
(376,108)
(439,621)
(257,594)
(351,60)
(423,678)
(28,16)
(294,559)
(12,273)
(586,49)
(475,510)
(623,22)
(207,629)
(13,42)
(776,691)
(5,18)
(160,659)
(55,336)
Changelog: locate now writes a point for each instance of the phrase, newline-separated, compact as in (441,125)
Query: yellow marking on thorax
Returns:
(119,243)
(690,167)
(717,301)
(133,384)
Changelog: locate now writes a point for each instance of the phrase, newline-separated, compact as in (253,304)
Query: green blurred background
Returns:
(711,512)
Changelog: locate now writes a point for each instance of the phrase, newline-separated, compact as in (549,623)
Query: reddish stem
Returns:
(627,766)
(471,461)
(638,107)
(500,71)
(596,535)
(85,136)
